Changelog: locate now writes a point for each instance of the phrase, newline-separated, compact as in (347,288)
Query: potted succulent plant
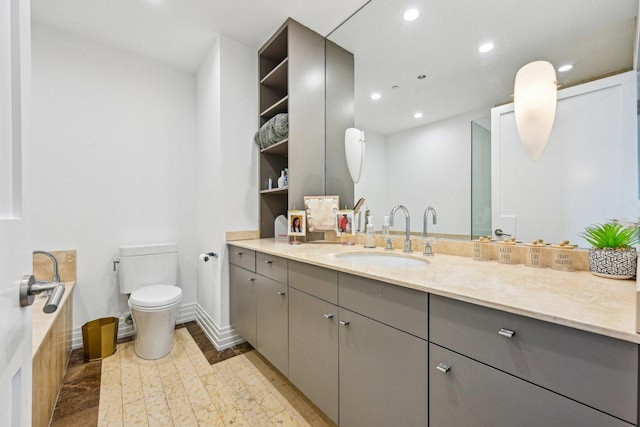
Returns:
(613,254)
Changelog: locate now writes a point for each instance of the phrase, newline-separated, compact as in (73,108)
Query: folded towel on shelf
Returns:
(273,131)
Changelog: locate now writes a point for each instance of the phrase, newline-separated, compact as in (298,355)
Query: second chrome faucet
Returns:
(407,240)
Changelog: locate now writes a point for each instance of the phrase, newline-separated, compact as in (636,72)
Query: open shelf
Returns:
(277,78)
(279,149)
(279,107)
(276,191)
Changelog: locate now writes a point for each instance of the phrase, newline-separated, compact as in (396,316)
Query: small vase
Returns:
(613,263)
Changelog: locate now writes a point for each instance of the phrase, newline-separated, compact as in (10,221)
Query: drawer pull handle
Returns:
(239,253)
(329,316)
(506,333)
(281,293)
(443,367)
(268,262)
(345,322)
(252,279)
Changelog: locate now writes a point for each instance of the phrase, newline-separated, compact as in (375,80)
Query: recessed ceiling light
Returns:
(376,95)
(422,76)
(411,14)
(417,115)
(394,87)
(565,67)
(485,47)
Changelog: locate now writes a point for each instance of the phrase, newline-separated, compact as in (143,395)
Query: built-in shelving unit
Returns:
(292,53)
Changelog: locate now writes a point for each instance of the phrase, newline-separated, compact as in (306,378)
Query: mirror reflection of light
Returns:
(375,95)
(417,115)
(565,68)
(411,15)
(485,47)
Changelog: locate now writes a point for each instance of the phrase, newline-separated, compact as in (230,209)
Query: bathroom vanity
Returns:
(450,342)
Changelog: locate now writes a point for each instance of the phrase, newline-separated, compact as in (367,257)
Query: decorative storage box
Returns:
(562,256)
(535,254)
(482,249)
(508,252)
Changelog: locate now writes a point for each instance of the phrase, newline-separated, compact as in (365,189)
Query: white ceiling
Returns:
(596,35)
(180,32)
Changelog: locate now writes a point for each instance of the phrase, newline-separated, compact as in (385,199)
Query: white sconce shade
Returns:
(535,96)
(354,152)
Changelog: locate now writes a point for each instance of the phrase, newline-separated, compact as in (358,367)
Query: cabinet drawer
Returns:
(474,394)
(241,257)
(402,308)
(272,267)
(598,371)
(317,281)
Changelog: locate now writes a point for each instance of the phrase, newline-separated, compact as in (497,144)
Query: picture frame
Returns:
(344,225)
(321,212)
(297,224)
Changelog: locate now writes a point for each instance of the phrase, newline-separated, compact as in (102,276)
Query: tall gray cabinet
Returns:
(292,80)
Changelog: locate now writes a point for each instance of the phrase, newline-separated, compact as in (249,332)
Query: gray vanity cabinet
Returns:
(242,293)
(313,334)
(313,350)
(383,374)
(598,371)
(464,392)
(383,353)
(272,322)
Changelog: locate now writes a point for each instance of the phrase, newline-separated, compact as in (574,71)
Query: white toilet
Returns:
(149,273)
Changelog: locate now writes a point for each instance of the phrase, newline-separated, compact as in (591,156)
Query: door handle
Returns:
(29,289)
(281,293)
(506,332)
(499,232)
(345,322)
(443,367)
(329,316)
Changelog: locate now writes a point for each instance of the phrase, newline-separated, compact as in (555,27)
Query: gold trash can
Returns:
(99,338)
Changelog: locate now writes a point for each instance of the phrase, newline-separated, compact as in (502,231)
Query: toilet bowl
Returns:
(154,309)
(148,274)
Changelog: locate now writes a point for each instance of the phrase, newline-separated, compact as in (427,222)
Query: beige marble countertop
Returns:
(42,321)
(576,299)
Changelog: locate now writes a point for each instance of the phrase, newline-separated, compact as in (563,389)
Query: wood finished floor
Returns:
(182,389)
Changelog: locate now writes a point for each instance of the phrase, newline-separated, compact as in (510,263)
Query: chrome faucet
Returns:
(407,240)
(35,287)
(425,218)
(56,275)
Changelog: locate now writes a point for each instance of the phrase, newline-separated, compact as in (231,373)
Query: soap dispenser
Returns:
(369,237)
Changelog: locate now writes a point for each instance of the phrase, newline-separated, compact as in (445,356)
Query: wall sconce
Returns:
(354,152)
(535,96)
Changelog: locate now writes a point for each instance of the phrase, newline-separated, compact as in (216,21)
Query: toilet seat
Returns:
(155,297)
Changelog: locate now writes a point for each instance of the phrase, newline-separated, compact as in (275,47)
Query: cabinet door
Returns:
(273,322)
(313,350)
(242,298)
(383,374)
(470,393)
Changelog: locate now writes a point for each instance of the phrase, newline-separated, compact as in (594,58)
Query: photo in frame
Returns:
(297,223)
(321,212)
(344,223)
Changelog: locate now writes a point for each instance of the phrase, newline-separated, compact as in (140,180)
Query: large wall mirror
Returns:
(424,92)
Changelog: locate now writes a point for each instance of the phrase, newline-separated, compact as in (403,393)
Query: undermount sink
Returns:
(383,259)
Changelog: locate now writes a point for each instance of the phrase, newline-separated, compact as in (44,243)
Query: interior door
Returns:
(15,241)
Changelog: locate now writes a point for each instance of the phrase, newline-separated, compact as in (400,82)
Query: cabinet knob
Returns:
(344,322)
(506,332)
(329,316)
(268,262)
(443,367)
(281,293)
(239,253)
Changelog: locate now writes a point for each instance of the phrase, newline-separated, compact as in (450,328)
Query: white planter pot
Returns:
(613,263)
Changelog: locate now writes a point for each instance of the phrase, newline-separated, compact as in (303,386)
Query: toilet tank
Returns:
(143,265)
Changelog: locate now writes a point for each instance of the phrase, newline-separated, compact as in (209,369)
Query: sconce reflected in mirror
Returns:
(535,96)
(354,152)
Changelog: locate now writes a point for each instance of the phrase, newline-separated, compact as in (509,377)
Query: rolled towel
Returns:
(273,131)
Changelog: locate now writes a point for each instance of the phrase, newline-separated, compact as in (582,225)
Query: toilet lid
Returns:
(155,295)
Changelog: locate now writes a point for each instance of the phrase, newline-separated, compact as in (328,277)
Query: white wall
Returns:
(587,173)
(114,137)
(227,177)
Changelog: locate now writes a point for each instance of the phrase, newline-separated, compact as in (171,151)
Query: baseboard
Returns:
(186,313)
(221,338)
